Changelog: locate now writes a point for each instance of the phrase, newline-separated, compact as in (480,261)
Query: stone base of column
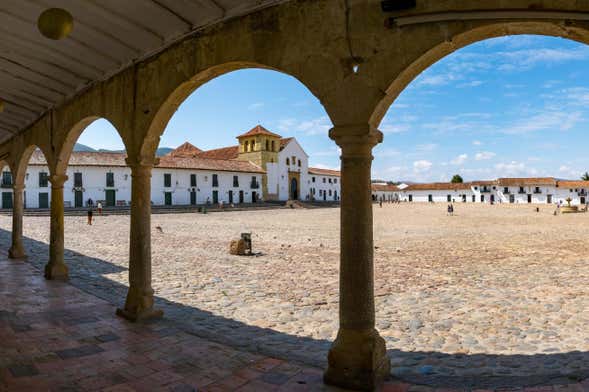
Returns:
(139,306)
(357,360)
(17,253)
(146,314)
(56,271)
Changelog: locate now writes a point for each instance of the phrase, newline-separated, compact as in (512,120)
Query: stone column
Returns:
(139,302)
(17,251)
(357,359)
(56,268)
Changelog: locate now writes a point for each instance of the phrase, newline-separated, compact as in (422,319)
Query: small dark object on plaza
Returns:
(159,228)
(247,238)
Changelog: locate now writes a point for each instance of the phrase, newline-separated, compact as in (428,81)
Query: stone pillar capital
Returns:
(141,162)
(356,140)
(57,180)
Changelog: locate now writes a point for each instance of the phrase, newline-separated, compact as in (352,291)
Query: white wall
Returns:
(385,195)
(558,194)
(439,196)
(292,149)
(325,187)
(94,185)
(180,188)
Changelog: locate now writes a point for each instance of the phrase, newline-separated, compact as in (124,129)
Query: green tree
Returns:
(585,177)
(457,179)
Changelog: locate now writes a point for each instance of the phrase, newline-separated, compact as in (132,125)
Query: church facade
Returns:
(263,167)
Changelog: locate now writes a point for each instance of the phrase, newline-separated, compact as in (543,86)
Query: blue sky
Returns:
(511,106)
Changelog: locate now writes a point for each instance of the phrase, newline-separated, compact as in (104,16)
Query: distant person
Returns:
(90,216)
(99,207)
(208,201)
(380,203)
(90,202)
(450,209)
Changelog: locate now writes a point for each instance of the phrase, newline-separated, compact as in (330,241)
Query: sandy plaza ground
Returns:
(496,291)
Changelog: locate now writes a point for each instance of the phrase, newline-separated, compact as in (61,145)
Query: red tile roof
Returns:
(484,182)
(85,158)
(221,153)
(231,165)
(233,151)
(527,181)
(185,150)
(439,186)
(384,188)
(284,141)
(572,184)
(324,172)
(166,162)
(258,130)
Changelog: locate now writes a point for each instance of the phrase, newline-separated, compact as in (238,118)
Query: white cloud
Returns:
(569,172)
(462,123)
(391,128)
(547,120)
(316,126)
(327,167)
(484,155)
(525,59)
(514,169)
(385,153)
(477,142)
(576,95)
(473,83)
(426,147)
(256,106)
(422,165)
(435,80)
(459,160)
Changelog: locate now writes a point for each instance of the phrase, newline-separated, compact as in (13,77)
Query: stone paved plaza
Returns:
(493,296)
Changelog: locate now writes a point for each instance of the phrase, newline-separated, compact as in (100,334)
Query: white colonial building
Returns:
(264,166)
(385,192)
(543,190)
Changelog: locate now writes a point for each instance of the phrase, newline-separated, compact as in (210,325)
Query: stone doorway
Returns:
(294,195)
(294,180)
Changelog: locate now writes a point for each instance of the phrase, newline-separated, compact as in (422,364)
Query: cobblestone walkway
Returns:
(506,308)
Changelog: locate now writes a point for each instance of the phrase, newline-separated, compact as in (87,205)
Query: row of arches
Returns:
(140,101)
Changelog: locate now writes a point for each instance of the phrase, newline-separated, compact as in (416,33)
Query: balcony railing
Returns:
(537,192)
(506,192)
(255,185)
(486,190)
(5,184)
(521,192)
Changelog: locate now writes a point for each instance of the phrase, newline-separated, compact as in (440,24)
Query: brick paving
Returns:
(56,337)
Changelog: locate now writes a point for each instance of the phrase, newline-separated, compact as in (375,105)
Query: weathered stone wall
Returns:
(316,41)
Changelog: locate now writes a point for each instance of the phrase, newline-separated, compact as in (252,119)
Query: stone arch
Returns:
(173,101)
(446,43)
(72,136)
(21,164)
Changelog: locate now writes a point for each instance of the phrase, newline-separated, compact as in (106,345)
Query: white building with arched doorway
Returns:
(279,171)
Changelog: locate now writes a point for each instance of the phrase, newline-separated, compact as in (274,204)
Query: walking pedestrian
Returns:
(90,216)
(99,207)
